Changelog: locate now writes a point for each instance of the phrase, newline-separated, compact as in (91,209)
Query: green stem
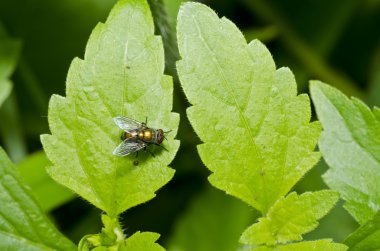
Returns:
(164,29)
(11,132)
(312,61)
(32,86)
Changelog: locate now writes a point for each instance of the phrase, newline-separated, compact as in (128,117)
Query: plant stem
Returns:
(11,132)
(163,28)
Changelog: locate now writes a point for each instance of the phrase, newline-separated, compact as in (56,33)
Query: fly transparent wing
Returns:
(127,147)
(127,124)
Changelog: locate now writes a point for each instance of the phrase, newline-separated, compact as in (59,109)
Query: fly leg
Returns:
(136,161)
(162,147)
(149,151)
(146,149)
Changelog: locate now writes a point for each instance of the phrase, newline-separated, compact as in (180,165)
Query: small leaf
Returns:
(320,245)
(49,194)
(9,52)
(204,226)
(366,237)
(121,75)
(258,140)
(142,242)
(290,217)
(23,225)
(350,144)
(112,238)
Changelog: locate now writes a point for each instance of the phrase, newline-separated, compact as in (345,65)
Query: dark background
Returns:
(337,42)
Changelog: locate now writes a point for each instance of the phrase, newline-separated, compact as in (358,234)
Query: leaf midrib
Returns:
(225,83)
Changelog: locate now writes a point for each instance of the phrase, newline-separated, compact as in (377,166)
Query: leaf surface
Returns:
(121,75)
(350,144)
(23,225)
(258,139)
(142,242)
(290,217)
(319,245)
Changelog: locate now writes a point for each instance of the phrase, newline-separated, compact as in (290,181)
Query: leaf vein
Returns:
(26,216)
(226,84)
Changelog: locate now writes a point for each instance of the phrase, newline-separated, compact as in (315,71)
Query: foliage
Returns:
(290,217)
(258,140)
(325,245)
(123,63)
(23,225)
(350,145)
(341,48)
(112,238)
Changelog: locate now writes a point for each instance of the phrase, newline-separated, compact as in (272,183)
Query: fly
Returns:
(136,136)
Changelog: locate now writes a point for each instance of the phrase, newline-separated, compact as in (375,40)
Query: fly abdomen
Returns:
(134,135)
(147,135)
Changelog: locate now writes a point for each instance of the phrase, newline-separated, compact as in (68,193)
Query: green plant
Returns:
(256,131)
(123,62)
(350,145)
(258,141)
(23,223)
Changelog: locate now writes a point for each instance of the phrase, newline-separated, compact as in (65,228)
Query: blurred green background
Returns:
(335,41)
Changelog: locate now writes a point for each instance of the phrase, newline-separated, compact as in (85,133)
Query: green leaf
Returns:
(366,237)
(325,245)
(204,226)
(9,52)
(112,238)
(290,217)
(121,75)
(258,140)
(23,225)
(49,194)
(142,242)
(350,144)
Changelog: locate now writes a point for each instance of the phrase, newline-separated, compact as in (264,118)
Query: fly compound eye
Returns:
(160,136)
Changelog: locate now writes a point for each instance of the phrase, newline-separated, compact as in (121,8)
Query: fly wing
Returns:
(127,147)
(126,124)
